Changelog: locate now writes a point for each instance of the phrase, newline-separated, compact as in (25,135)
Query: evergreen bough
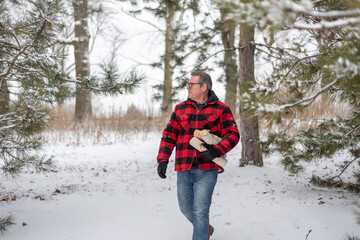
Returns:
(31,74)
(5,223)
(300,75)
(30,65)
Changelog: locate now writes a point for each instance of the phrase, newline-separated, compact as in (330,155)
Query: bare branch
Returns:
(196,49)
(307,235)
(144,21)
(134,60)
(343,170)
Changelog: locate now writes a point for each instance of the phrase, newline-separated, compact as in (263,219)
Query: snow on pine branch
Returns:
(327,24)
(327,14)
(284,13)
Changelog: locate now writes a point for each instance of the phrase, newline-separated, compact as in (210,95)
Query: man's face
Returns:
(195,90)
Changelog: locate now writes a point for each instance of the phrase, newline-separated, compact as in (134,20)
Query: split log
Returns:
(209,138)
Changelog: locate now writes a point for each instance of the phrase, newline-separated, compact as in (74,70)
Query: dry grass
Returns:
(318,111)
(101,128)
(118,126)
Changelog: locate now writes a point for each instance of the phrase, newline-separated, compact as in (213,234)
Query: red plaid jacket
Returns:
(185,119)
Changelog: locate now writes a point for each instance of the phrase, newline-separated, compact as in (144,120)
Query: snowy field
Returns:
(113,192)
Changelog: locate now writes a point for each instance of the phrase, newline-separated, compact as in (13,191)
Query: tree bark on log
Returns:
(209,138)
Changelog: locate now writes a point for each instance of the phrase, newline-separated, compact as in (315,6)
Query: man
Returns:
(196,172)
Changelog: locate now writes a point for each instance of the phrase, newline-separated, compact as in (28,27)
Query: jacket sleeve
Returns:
(168,139)
(229,132)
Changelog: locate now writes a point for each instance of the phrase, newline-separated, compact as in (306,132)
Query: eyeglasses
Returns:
(189,85)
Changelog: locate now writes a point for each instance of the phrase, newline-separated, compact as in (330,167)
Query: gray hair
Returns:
(204,78)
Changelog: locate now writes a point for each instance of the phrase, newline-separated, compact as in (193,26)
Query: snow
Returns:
(113,192)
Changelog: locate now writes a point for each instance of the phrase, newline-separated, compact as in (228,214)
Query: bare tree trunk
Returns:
(82,65)
(169,40)
(231,76)
(249,125)
(4,97)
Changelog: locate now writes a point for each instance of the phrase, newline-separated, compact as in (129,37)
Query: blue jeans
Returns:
(194,190)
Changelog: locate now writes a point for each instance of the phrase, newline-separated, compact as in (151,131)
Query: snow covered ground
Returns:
(113,192)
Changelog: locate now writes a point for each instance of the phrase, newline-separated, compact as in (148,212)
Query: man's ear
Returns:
(204,87)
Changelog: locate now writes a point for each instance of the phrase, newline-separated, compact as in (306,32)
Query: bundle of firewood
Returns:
(209,138)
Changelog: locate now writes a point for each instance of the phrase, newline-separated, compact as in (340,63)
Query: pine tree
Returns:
(30,69)
(30,65)
(300,75)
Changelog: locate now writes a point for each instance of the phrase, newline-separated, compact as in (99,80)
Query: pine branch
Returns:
(12,34)
(329,14)
(13,63)
(308,100)
(353,237)
(111,82)
(45,23)
(351,15)
(327,25)
(299,60)
(5,223)
(353,130)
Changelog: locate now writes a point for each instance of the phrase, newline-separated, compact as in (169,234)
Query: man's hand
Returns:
(162,169)
(211,153)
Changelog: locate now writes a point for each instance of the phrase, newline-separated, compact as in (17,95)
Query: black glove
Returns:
(211,152)
(162,169)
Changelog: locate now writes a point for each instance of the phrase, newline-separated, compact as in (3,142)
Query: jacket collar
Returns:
(212,98)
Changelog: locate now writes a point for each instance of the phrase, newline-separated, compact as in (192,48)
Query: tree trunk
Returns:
(4,97)
(82,65)
(249,125)
(230,66)
(169,41)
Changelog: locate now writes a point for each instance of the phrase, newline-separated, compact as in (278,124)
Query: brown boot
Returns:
(210,232)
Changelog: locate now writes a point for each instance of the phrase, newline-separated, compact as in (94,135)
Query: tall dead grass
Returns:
(119,126)
(103,128)
(322,109)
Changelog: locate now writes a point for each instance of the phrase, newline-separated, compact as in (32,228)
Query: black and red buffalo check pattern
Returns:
(186,118)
